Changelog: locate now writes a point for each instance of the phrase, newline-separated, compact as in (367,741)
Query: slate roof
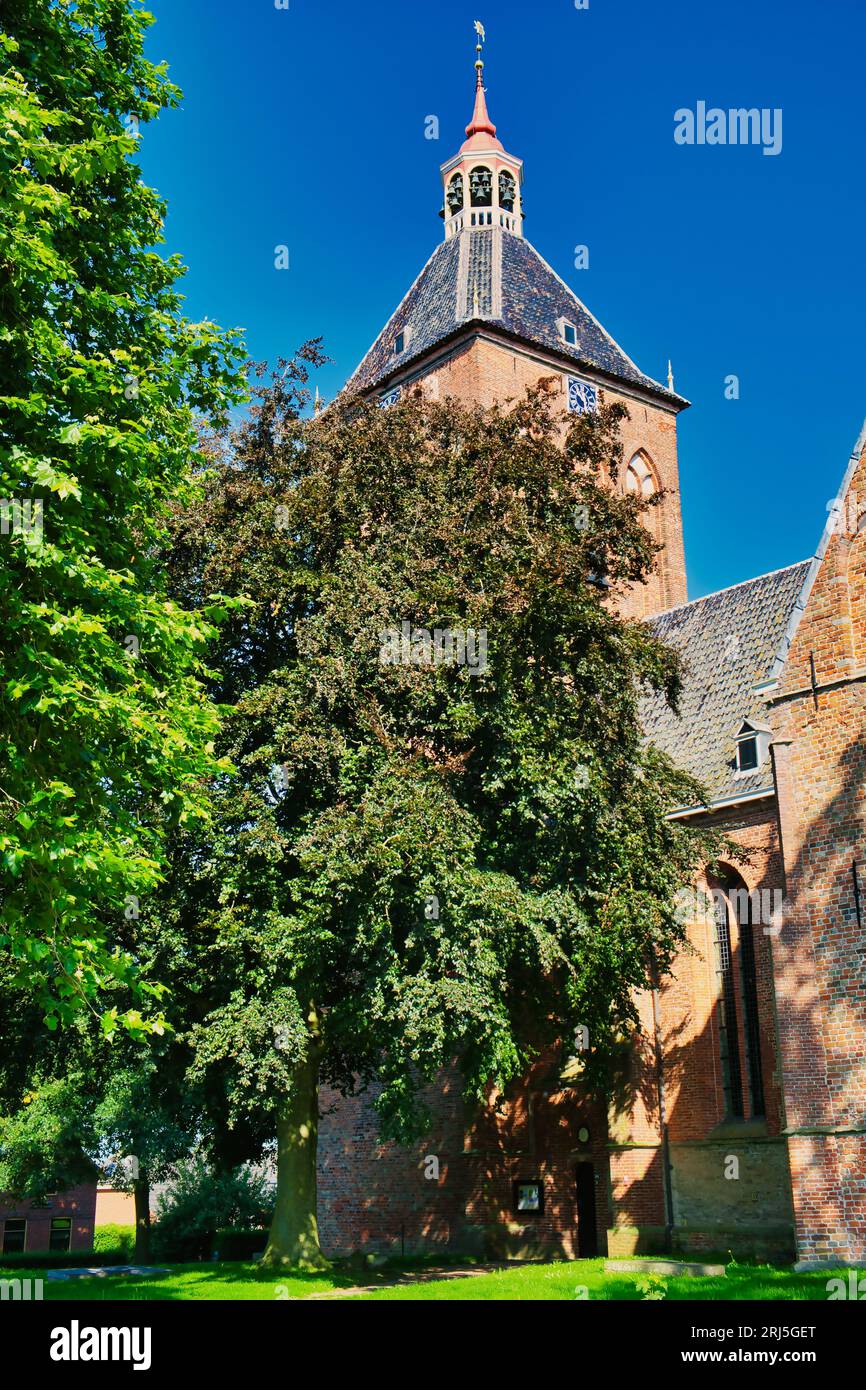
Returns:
(728,642)
(490,276)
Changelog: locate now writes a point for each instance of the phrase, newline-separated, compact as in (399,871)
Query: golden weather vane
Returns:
(482,39)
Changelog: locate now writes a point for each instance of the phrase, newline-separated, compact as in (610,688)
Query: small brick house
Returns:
(742,1123)
(63,1222)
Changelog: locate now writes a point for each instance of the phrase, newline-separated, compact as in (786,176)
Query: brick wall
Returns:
(79,1204)
(378,1196)
(711,1211)
(820,957)
(483,370)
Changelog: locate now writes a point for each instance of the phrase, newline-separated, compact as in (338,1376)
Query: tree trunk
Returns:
(141,1188)
(294,1235)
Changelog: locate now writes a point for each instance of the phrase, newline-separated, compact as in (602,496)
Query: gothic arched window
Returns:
(507,190)
(454,196)
(481,187)
(735,911)
(640,478)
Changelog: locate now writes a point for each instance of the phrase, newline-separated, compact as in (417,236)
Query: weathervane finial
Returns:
(482,39)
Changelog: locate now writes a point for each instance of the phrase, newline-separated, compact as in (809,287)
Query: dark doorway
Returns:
(587,1235)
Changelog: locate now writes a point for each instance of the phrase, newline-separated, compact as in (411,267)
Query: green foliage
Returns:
(240,1245)
(97,1106)
(200,1202)
(106,735)
(139,1112)
(116,1240)
(520,801)
(69,1259)
(42,1144)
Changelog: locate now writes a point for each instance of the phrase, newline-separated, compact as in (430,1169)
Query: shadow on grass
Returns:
(418,1279)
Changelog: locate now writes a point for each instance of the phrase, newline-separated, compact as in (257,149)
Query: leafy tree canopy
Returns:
(106,733)
(422,859)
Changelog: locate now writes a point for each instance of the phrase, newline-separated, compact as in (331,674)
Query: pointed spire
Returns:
(481,131)
(670,376)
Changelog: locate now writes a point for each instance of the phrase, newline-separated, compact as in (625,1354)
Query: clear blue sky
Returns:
(305,127)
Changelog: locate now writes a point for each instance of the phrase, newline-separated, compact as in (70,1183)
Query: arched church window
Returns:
(507,190)
(734,911)
(454,196)
(481,187)
(640,478)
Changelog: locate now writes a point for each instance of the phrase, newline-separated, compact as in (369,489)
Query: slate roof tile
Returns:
(459,285)
(727,642)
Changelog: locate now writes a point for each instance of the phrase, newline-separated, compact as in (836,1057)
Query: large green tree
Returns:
(105,728)
(421,860)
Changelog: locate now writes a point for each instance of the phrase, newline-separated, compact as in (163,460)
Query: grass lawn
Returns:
(537,1282)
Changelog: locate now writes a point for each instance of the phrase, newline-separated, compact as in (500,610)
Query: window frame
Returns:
(749,740)
(20,1221)
(60,1225)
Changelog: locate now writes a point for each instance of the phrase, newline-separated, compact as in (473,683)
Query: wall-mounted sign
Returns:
(529,1197)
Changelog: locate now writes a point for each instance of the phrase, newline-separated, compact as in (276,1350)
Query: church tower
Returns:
(487,317)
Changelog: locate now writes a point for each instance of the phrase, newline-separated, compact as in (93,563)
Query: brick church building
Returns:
(741,1121)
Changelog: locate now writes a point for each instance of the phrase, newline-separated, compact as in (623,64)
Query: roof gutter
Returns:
(414,367)
(722,804)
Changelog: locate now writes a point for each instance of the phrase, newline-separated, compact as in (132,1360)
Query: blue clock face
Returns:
(582,396)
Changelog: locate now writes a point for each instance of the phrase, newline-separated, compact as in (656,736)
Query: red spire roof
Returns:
(481,130)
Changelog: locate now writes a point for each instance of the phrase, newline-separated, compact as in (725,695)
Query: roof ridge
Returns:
(382,331)
(781,655)
(692,603)
(599,325)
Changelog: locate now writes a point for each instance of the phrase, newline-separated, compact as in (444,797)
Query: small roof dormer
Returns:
(753,741)
(482,182)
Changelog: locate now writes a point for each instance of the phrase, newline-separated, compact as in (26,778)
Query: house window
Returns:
(399,344)
(60,1238)
(747,755)
(569,333)
(389,398)
(529,1198)
(14,1237)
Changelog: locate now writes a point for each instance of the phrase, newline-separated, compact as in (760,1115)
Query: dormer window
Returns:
(399,344)
(569,333)
(753,745)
